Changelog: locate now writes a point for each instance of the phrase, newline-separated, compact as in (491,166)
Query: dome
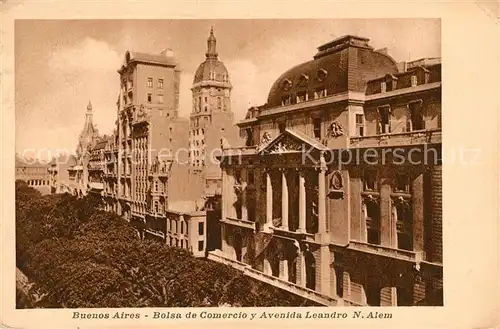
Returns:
(211,70)
(344,64)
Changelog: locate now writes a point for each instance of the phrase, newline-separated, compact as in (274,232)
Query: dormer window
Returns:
(302,96)
(321,75)
(287,84)
(286,100)
(320,92)
(383,87)
(303,80)
(414,81)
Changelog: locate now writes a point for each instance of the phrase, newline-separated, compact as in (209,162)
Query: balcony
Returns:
(161,169)
(293,288)
(295,235)
(141,115)
(405,255)
(398,139)
(239,222)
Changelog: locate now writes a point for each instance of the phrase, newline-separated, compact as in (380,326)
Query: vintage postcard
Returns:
(185,165)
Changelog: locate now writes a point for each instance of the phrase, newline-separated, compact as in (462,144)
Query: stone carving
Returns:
(285,146)
(336,183)
(266,138)
(334,130)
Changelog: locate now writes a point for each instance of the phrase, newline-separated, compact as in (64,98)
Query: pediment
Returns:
(290,142)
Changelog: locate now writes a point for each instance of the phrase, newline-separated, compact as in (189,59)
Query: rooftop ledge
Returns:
(430,136)
(239,222)
(348,95)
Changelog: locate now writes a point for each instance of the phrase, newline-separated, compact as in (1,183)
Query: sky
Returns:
(61,65)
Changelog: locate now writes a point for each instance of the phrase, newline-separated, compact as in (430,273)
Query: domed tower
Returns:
(89,134)
(211,116)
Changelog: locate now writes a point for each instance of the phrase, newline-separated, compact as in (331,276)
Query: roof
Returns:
(203,73)
(290,141)
(335,68)
(31,163)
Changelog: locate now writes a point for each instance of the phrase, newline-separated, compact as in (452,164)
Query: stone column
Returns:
(244,209)
(283,261)
(322,196)
(301,271)
(225,194)
(302,202)
(269,200)
(284,200)
(418,213)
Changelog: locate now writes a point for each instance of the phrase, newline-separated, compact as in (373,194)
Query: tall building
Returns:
(150,135)
(78,163)
(211,119)
(337,194)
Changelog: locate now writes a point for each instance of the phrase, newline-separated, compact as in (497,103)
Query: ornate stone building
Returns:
(211,119)
(35,173)
(337,194)
(146,176)
(78,163)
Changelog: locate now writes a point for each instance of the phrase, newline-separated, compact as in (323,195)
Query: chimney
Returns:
(382,51)
(168,52)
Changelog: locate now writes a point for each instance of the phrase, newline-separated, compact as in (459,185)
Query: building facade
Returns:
(78,163)
(145,163)
(336,195)
(35,173)
(211,119)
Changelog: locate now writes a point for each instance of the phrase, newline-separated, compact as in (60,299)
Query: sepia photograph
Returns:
(228,163)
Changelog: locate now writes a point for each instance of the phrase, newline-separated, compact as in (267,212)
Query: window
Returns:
(339,277)
(317,127)
(249,139)
(206,108)
(372,294)
(404,226)
(302,96)
(206,99)
(384,127)
(160,99)
(402,183)
(404,297)
(383,87)
(282,126)
(416,121)
(156,207)
(286,100)
(414,81)
(251,177)
(320,92)
(370,180)
(360,124)
(372,213)
(150,82)
(149,98)
(201,245)
(160,83)
(219,103)
(201,229)
(182,227)
(156,186)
